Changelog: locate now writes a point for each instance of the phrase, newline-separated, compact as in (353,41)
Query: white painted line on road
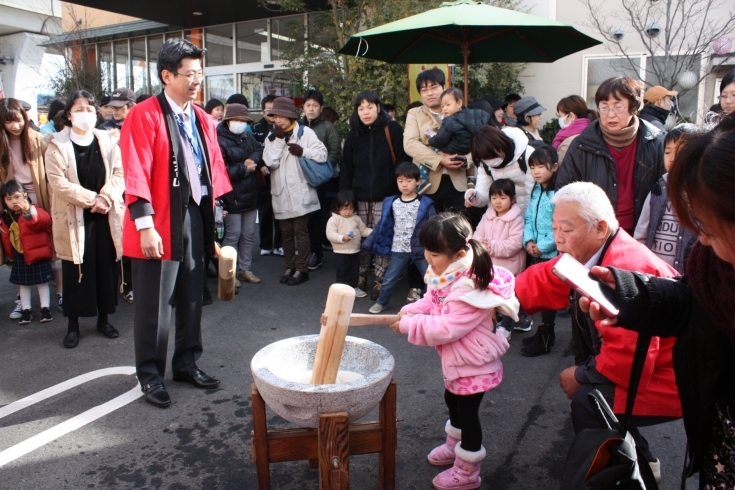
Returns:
(61,387)
(33,443)
(70,425)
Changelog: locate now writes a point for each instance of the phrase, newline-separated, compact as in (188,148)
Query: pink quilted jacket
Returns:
(458,321)
(503,238)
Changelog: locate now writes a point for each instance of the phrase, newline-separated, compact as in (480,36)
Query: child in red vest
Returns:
(26,237)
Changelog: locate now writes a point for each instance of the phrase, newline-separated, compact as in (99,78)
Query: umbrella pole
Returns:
(465,70)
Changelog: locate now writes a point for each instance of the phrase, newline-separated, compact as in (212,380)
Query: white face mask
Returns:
(238,127)
(493,162)
(85,121)
(562,122)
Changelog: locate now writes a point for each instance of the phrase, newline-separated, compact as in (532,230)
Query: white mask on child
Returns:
(238,127)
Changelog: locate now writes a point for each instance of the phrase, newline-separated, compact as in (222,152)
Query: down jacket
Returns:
(236,148)
(455,133)
(367,167)
(538,222)
(609,350)
(523,179)
(503,238)
(292,195)
(589,160)
(458,321)
(70,199)
(380,240)
(35,234)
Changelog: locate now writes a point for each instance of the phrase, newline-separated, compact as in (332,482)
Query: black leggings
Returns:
(464,415)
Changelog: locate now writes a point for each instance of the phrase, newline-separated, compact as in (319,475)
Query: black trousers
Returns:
(268,225)
(347,267)
(447,198)
(159,286)
(464,415)
(584,418)
(95,294)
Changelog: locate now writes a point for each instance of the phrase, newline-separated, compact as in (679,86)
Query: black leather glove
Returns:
(295,149)
(278,132)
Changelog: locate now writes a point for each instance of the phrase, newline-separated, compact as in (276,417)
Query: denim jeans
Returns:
(398,262)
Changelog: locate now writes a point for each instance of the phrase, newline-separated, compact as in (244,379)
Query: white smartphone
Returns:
(578,277)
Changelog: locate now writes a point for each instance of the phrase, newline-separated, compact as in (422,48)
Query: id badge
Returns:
(205,191)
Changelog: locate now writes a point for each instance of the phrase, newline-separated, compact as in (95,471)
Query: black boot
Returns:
(541,342)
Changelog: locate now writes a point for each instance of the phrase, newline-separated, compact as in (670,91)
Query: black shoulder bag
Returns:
(608,457)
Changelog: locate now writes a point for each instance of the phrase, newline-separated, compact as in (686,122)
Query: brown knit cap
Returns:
(238,111)
(283,106)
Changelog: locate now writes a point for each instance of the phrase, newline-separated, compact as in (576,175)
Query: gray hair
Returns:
(592,203)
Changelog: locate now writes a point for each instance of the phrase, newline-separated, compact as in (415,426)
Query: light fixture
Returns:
(197,13)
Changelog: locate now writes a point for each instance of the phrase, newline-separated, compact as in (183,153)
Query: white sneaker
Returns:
(414,294)
(376,308)
(656,469)
(505,333)
(17,312)
(264,251)
(128,297)
(359,293)
(279,251)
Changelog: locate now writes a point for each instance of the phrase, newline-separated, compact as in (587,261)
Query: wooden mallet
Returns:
(340,300)
(226,273)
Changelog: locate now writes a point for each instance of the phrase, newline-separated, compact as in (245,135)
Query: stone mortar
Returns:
(302,403)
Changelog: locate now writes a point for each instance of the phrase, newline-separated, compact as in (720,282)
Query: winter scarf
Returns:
(713,285)
(575,128)
(454,270)
(620,138)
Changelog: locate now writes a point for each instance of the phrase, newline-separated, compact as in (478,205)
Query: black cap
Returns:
(104,100)
(121,97)
(238,99)
(26,106)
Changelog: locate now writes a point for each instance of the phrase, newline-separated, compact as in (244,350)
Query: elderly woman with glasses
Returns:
(619,152)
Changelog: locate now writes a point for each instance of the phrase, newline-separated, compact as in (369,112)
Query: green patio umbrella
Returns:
(468,31)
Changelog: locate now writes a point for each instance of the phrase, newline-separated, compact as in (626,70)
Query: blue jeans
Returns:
(398,262)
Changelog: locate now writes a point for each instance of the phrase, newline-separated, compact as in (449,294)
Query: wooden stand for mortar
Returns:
(329,446)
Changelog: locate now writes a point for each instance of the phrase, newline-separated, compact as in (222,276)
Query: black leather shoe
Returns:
(207,298)
(286,276)
(298,278)
(71,340)
(108,331)
(157,395)
(198,378)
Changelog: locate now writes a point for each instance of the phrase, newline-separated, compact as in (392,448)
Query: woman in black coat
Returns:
(372,148)
(243,157)
(619,152)
(698,309)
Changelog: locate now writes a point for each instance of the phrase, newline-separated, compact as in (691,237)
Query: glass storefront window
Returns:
(687,101)
(154,45)
(122,67)
(600,69)
(140,67)
(252,41)
(219,45)
(284,32)
(220,87)
(104,56)
(172,35)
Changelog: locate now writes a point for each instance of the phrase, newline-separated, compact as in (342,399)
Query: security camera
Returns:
(618,34)
(653,29)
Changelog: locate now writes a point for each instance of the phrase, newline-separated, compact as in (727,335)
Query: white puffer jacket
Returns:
(524,181)
(292,195)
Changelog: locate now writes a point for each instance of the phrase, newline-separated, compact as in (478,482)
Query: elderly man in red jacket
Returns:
(585,227)
(173,172)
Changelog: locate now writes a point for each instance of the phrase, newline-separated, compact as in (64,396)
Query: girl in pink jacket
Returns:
(456,317)
(501,228)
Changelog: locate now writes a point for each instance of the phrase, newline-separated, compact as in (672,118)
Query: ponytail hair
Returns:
(450,233)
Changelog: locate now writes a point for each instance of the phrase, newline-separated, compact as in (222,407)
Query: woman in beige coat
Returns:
(21,158)
(85,173)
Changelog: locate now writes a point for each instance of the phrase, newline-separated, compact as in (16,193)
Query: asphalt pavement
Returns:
(203,440)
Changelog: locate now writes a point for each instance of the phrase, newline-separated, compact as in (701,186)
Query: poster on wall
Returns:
(415,69)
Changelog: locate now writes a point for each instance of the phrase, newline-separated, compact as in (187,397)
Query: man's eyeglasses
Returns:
(192,76)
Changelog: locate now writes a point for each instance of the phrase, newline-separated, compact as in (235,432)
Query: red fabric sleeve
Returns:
(40,222)
(538,289)
(137,147)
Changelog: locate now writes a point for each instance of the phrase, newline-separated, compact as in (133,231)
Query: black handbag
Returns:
(608,457)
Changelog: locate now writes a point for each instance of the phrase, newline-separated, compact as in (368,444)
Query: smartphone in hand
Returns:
(578,277)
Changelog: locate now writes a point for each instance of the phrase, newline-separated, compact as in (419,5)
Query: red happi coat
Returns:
(146,150)
(539,289)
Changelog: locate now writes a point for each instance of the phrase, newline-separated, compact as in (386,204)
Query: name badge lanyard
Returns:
(191,137)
